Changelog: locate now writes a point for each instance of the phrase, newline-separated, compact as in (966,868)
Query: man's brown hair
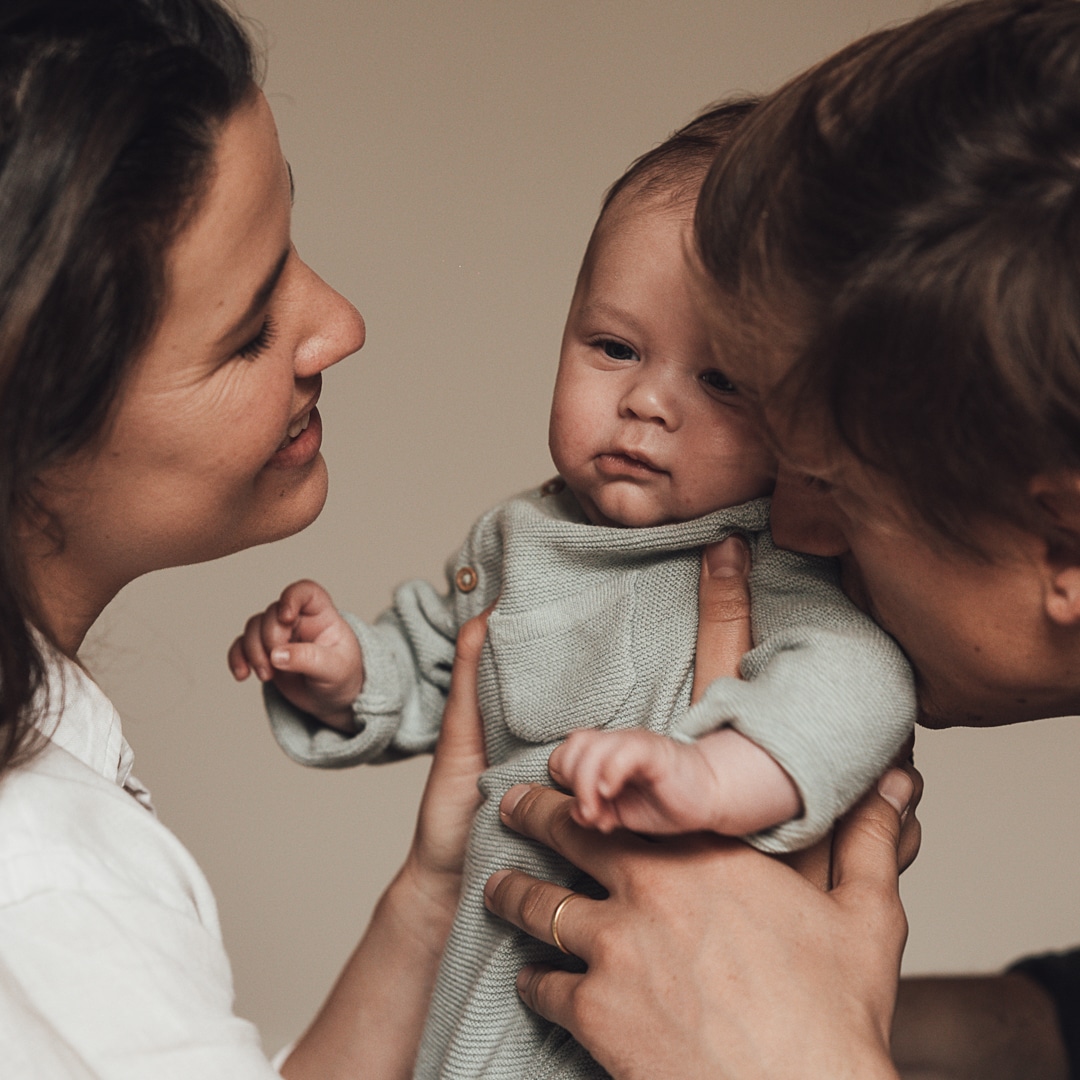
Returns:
(899,228)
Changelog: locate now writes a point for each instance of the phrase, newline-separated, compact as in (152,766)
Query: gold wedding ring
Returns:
(555,921)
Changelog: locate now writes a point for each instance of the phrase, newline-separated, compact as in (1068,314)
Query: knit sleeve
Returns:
(825,692)
(408,656)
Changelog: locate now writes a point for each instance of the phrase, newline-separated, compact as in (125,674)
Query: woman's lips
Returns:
(302,447)
(622,463)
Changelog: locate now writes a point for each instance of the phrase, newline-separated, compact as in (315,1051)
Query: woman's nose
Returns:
(804,516)
(335,329)
(650,398)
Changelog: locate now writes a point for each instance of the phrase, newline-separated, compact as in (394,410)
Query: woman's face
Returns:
(214,444)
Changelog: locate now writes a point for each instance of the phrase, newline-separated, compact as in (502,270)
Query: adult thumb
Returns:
(723,612)
(867,839)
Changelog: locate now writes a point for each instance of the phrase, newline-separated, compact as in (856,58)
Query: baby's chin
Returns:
(629,510)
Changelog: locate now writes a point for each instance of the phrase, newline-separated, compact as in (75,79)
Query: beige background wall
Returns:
(449,158)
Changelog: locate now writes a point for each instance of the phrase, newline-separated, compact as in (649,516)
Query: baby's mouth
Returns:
(623,460)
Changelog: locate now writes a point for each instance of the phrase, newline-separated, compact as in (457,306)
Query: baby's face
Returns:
(645,427)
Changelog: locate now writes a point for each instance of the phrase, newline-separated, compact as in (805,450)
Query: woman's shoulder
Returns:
(66,829)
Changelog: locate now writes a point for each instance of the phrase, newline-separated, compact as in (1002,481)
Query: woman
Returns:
(161,349)
(898,230)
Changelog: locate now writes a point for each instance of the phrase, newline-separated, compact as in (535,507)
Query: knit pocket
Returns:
(565,665)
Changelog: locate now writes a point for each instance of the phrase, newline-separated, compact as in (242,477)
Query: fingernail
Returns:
(493,884)
(511,799)
(731,558)
(896,788)
(279,656)
(524,976)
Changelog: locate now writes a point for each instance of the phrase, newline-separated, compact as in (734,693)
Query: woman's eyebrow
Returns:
(258,301)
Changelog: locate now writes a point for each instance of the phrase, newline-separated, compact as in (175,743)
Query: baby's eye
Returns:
(718,381)
(617,350)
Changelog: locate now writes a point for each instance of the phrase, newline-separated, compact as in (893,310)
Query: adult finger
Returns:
(545,815)
(462,728)
(550,993)
(814,863)
(530,904)
(723,612)
(911,827)
(451,795)
(867,840)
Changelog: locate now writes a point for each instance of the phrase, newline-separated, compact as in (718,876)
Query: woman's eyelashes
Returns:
(718,382)
(260,342)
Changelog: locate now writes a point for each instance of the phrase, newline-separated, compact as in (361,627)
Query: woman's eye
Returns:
(618,350)
(260,342)
(718,381)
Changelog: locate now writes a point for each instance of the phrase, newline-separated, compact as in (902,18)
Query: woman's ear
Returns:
(1059,498)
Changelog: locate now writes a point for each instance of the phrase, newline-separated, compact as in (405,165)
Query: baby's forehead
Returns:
(625,220)
(650,197)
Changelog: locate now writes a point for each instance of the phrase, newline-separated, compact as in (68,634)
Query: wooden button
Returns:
(466,579)
(554,486)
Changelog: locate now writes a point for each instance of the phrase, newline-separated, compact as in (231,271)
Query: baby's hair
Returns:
(677,167)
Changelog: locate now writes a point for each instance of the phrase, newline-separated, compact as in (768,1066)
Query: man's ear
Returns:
(1059,498)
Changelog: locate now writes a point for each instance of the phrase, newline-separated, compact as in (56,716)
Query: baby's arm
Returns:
(639,780)
(305,647)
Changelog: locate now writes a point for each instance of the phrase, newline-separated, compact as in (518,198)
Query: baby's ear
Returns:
(1059,498)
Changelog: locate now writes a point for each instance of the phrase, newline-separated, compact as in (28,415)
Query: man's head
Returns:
(892,240)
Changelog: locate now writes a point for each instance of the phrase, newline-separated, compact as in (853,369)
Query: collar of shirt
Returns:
(79,718)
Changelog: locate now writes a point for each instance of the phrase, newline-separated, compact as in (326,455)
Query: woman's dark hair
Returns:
(898,231)
(109,111)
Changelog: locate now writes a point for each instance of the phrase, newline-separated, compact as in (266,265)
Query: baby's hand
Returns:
(633,780)
(638,780)
(308,650)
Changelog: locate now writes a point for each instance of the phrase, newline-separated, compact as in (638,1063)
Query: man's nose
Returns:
(804,516)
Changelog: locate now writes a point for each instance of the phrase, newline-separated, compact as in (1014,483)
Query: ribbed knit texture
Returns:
(596,627)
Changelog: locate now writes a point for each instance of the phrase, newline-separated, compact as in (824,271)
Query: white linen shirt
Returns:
(111,959)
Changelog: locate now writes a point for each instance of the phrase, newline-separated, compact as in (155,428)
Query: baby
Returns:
(595,575)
